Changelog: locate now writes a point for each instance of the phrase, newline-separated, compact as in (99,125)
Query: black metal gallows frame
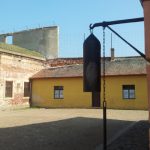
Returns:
(106,25)
(104,98)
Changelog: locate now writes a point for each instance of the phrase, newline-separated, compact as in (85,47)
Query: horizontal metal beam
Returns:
(107,23)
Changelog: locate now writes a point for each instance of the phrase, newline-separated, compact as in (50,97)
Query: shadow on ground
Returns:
(136,138)
(70,134)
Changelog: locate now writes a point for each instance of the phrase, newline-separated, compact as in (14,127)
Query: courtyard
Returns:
(62,129)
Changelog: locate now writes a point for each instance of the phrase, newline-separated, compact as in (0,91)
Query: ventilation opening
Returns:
(9,39)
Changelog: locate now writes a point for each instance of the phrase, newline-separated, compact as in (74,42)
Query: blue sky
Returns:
(73,18)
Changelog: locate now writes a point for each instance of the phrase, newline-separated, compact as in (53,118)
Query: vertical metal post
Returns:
(104,25)
(104,98)
(104,126)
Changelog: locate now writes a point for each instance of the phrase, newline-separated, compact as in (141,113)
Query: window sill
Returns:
(8,98)
(128,99)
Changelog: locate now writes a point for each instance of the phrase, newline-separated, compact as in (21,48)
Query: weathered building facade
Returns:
(16,66)
(23,58)
(44,40)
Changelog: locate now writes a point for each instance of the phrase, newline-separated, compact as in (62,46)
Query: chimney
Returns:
(112,50)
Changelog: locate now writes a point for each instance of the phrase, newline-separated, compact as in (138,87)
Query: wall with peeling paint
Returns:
(18,69)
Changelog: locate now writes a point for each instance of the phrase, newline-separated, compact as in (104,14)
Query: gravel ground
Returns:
(61,129)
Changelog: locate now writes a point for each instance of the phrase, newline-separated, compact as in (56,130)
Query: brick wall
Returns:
(64,61)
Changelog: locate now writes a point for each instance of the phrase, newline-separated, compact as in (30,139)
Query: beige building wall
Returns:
(44,40)
(17,69)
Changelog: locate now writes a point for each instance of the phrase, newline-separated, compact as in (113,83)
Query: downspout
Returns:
(30,96)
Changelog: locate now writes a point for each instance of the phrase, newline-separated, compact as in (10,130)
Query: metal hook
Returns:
(91,29)
(90,26)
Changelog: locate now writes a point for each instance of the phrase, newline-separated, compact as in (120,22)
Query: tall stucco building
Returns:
(43,40)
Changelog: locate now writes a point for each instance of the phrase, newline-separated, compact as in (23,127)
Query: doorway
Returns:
(95,99)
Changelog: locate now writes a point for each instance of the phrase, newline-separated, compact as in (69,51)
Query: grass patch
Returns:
(20,50)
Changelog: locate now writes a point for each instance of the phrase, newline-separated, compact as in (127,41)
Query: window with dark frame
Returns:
(128,91)
(58,92)
(9,89)
(26,89)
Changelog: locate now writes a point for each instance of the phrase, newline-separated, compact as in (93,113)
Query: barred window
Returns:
(9,89)
(128,91)
(26,89)
(58,92)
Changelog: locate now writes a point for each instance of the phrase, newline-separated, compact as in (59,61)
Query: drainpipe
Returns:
(146,7)
(30,97)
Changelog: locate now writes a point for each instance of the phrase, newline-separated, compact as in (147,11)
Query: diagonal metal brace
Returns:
(107,23)
(139,52)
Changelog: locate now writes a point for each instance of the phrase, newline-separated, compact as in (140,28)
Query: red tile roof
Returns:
(64,61)
(119,66)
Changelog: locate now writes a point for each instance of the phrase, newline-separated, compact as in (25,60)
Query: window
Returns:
(9,39)
(26,89)
(58,92)
(128,91)
(9,89)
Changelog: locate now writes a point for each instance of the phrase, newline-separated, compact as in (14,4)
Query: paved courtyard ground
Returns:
(61,129)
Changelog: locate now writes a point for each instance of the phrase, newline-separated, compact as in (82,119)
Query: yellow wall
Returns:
(114,92)
(43,93)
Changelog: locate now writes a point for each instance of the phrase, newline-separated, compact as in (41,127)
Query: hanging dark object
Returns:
(91,64)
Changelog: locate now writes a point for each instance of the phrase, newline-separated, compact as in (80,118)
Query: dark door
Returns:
(95,99)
